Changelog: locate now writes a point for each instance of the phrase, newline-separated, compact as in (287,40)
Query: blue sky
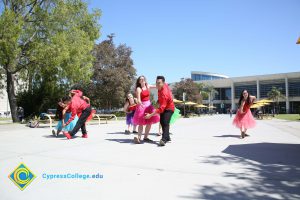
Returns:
(231,37)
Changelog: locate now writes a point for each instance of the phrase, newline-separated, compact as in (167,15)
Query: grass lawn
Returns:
(4,118)
(291,117)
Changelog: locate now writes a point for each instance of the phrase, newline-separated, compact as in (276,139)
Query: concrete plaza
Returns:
(205,160)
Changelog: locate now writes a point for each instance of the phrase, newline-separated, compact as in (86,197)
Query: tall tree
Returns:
(190,88)
(114,73)
(46,42)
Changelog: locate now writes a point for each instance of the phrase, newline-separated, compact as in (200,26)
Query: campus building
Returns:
(204,76)
(229,89)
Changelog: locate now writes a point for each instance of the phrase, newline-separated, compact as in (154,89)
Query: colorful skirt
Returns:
(129,118)
(244,120)
(70,126)
(140,113)
(176,115)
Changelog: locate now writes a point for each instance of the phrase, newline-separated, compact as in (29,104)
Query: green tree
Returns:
(275,94)
(46,43)
(190,88)
(202,92)
(210,92)
(114,74)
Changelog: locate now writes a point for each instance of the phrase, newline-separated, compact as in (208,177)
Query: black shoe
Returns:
(147,140)
(127,132)
(162,143)
(168,140)
(135,132)
(242,135)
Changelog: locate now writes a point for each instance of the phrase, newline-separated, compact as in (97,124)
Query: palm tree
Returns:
(203,94)
(210,92)
(275,94)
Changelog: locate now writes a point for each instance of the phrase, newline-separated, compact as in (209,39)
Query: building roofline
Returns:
(209,73)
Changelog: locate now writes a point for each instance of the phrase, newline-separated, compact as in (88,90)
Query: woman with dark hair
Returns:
(244,119)
(143,107)
(63,115)
(78,106)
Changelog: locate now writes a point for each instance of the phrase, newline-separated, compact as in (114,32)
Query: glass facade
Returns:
(223,94)
(204,77)
(294,87)
(295,107)
(249,86)
(266,86)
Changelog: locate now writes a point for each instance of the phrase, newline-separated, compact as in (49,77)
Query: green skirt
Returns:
(176,115)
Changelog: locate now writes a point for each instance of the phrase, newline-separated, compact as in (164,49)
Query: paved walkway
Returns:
(206,160)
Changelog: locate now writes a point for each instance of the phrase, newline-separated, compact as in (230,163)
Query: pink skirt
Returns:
(140,113)
(244,120)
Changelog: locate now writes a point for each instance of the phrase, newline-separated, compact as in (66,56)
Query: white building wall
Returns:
(4,105)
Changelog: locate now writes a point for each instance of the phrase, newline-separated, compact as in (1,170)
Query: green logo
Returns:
(21,176)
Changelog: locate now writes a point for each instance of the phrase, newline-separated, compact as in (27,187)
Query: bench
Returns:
(99,117)
(264,116)
(105,117)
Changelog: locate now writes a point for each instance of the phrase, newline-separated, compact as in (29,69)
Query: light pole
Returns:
(183,99)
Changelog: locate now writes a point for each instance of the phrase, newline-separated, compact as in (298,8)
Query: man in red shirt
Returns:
(77,105)
(166,108)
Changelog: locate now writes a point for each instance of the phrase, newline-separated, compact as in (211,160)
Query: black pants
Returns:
(81,122)
(165,118)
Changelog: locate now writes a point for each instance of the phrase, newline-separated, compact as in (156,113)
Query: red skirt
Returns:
(244,120)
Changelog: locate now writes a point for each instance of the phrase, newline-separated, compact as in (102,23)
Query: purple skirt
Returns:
(129,118)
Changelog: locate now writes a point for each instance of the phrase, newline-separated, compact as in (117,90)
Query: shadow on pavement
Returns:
(225,136)
(123,133)
(123,141)
(275,174)
(130,141)
(60,136)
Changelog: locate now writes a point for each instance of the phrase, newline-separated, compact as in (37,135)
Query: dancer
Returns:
(244,119)
(78,106)
(129,109)
(93,112)
(63,116)
(144,106)
(166,109)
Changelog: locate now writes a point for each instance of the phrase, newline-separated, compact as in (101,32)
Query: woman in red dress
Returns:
(244,119)
(143,107)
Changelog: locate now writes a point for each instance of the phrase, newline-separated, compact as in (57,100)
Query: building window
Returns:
(294,87)
(251,87)
(204,77)
(223,94)
(266,86)
(227,93)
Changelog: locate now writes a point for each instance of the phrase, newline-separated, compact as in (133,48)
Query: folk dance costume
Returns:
(244,120)
(79,107)
(143,109)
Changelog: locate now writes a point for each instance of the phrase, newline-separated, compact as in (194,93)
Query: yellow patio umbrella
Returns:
(264,101)
(200,106)
(189,103)
(177,101)
(256,106)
